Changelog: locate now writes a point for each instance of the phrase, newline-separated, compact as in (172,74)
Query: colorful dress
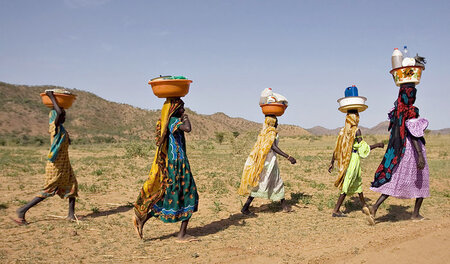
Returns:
(270,184)
(180,198)
(60,178)
(352,179)
(407,181)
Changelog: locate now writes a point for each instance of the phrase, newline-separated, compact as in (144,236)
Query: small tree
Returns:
(236,134)
(219,137)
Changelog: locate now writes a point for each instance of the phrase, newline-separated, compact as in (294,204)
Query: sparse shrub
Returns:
(98,172)
(236,134)
(217,207)
(136,149)
(95,209)
(93,188)
(219,137)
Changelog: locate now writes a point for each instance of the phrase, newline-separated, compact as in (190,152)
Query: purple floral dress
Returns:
(407,180)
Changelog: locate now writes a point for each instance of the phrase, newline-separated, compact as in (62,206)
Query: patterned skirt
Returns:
(60,178)
(180,198)
(407,181)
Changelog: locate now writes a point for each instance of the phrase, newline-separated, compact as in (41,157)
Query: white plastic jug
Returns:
(397,58)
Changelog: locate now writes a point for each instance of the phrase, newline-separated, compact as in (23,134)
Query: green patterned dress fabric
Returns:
(181,197)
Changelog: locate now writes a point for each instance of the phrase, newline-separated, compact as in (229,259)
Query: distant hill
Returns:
(22,114)
(379,129)
(441,131)
(320,131)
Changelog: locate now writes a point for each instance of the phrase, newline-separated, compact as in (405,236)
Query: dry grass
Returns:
(110,179)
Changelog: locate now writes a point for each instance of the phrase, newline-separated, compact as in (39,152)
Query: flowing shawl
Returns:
(255,161)
(154,188)
(402,111)
(344,146)
(58,138)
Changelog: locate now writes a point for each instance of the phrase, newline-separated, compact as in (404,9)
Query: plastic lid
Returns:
(396,49)
(405,47)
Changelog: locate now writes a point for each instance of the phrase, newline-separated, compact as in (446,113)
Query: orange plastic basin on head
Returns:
(63,100)
(170,88)
(273,109)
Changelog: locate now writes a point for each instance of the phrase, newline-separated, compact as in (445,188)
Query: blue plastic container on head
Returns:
(351,91)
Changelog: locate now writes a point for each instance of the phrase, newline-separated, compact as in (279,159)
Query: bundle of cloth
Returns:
(269,97)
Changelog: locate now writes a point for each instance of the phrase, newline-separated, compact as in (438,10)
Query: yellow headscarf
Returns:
(344,146)
(255,161)
(155,186)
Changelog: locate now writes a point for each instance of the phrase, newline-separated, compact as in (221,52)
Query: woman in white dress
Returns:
(261,173)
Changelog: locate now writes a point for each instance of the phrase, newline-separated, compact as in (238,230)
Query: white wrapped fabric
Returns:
(265,94)
(269,97)
(281,99)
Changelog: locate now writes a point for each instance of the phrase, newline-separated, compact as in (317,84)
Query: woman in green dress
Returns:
(169,193)
(350,148)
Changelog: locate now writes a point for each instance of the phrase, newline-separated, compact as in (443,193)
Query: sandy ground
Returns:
(109,182)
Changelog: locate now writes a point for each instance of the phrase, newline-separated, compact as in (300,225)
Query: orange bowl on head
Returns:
(64,101)
(273,109)
(170,88)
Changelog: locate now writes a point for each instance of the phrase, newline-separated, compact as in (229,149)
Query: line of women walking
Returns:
(170,193)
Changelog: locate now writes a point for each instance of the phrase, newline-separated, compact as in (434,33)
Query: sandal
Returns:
(20,221)
(340,214)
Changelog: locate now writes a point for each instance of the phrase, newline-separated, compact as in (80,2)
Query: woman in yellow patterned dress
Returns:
(60,178)
(261,175)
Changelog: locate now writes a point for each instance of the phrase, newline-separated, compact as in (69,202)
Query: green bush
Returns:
(219,137)
(138,149)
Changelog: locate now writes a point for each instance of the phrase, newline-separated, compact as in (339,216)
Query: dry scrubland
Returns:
(110,176)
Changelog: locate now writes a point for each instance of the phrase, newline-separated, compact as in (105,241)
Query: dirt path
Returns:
(425,247)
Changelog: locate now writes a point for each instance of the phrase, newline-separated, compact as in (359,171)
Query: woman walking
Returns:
(403,172)
(261,173)
(169,193)
(350,148)
(60,178)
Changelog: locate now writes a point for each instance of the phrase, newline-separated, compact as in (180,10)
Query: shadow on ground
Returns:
(119,209)
(353,204)
(294,201)
(395,213)
(237,219)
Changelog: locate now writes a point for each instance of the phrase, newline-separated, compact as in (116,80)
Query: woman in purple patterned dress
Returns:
(404,172)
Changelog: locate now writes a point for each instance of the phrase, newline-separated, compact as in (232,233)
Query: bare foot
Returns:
(137,226)
(373,212)
(366,210)
(371,215)
(287,209)
(417,218)
(186,239)
(247,212)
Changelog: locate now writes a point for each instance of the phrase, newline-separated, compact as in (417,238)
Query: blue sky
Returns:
(309,51)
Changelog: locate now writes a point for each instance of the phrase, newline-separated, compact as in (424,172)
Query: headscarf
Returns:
(157,182)
(57,139)
(403,110)
(255,161)
(344,146)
